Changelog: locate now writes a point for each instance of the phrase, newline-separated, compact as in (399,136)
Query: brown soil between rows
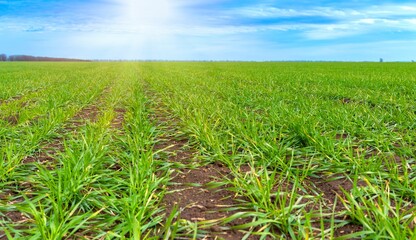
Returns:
(118,120)
(188,190)
(48,151)
(12,99)
(331,189)
(14,118)
(14,217)
(195,201)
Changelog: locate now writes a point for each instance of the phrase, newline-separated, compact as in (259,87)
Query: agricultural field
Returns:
(207,150)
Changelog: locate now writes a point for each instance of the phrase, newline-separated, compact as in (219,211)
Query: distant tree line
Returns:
(16,58)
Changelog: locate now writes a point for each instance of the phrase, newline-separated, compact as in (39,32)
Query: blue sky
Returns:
(354,30)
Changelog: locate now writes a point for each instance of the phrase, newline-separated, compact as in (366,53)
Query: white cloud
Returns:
(411,21)
(273,12)
(266,11)
(408,8)
(344,21)
(366,21)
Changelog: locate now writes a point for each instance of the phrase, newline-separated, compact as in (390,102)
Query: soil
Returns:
(89,113)
(330,190)
(197,202)
(346,100)
(14,217)
(117,122)
(40,157)
(12,120)
(188,191)
(15,98)
(341,136)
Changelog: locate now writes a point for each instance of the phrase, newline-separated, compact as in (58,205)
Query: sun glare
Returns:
(156,13)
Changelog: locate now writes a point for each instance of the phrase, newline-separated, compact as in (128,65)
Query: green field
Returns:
(134,150)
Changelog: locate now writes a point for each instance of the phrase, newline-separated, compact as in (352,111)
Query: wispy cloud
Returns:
(325,22)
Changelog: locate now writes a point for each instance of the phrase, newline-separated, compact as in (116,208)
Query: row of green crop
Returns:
(104,182)
(55,89)
(71,90)
(293,122)
(19,79)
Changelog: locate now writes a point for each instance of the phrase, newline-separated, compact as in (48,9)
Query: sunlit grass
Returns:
(277,127)
(293,122)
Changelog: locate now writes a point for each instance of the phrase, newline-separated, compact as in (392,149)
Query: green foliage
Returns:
(278,127)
